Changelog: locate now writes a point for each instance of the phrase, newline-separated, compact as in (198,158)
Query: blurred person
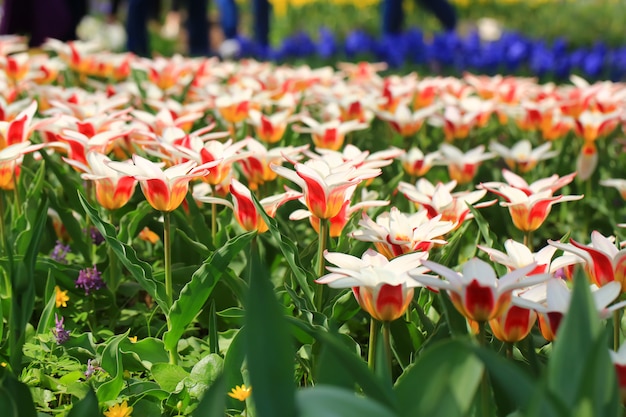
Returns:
(197,23)
(393,14)
(41,19)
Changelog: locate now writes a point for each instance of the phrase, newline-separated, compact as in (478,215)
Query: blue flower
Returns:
(358,42)
(327,45)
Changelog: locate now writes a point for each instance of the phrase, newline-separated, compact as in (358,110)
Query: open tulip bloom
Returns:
(529,205)
(382,287)
(476,292)
(246,211)
(604,262)
(165,190)
(551,299)
(325,186)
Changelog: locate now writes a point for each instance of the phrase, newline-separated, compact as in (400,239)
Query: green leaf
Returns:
(140,270)
(112,363)
(46,320)
(270,349)
(88,406)
(195,293)
(213,402)
(233,363)
(203,374)
(168,376)
(350,362)
(483,226)
(337,402)
(15,397)
(129,223)
(508,381)
(581,340)
(290,252)
(146,352)
(23,278)
(442,382)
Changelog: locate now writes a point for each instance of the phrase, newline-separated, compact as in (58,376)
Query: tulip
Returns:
(529,205)
(113,189)
(521,156)
(166,189)
(514,324)
(462,167)
(604,262)
(382,287)
(329,135)
(339,222)
(477,293)
(416,164)
(246,211)
(395,233)
(551,300)
(440,200)
(10,161)
(325,186)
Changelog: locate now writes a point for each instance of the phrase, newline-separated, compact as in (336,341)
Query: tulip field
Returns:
(189,236)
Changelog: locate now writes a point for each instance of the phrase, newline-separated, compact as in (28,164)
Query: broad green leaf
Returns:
(350,362)
(329,401)
(203,374)
(483,226)
(129,223)
(233,364)
(146,352)
(199,288)
(22,279)
(581,340)
(15,397)
(213,402)
(87,406)
(508,381)
(112,363)
(145,389)
(140,270)
(442,382)
(46,320)
(455,320)
(168,376)
(269,345)
(290,252)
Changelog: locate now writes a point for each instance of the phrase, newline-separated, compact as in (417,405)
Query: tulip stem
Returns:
(167,251)
(169,287)
(213,222)
(323,234)
(616,330)
(371,349)
(387,344)
(484,383)
(2,226)
(528,240)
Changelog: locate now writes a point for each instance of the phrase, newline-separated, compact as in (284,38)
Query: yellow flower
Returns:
(119,410)
(61,297)
(240,392)
(133,339)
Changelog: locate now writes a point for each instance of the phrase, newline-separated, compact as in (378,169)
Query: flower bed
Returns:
(193,237)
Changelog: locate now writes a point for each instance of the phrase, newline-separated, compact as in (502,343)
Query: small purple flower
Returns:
(91,369)
(96,236)
(90,279)
(61,335)
(59,252)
